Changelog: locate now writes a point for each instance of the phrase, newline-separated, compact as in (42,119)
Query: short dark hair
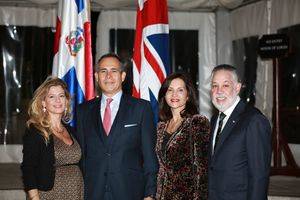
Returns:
(110,55)
(191,107)
(227,67)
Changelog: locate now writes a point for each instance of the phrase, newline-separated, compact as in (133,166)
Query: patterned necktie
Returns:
(107,116)
(221,118)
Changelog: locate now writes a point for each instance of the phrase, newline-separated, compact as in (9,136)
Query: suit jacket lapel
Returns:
(96,120)
(233,119)
(213,126)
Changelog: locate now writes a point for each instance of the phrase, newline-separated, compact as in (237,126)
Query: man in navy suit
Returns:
(240,147)
(117,136)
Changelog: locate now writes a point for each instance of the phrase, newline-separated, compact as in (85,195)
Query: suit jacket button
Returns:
(211,168)
(108,154)
(105,173)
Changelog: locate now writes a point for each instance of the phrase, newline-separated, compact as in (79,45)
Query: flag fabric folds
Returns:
(151,50)
(72,50)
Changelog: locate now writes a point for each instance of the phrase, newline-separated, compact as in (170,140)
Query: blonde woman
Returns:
(50,151)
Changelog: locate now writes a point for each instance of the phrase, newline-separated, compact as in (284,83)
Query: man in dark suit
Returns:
(240,145)
(117,136)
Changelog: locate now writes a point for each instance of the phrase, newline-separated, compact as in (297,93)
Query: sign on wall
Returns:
(273,46)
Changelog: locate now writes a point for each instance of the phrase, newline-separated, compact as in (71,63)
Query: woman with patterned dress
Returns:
(182,142)
(50,151)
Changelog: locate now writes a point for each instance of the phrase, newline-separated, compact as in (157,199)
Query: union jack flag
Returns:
(151,50)
(72,50)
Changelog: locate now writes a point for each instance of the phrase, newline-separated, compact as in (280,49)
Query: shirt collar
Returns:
(116,98)
(232,107)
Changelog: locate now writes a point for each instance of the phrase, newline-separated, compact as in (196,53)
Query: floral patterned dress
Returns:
(183,160)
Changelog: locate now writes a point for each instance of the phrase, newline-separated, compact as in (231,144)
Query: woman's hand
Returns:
(33,194)
(149,198)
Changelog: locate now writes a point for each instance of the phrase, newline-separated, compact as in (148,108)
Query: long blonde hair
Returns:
(37,116)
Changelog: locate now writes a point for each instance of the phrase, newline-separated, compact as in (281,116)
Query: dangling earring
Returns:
(44,109)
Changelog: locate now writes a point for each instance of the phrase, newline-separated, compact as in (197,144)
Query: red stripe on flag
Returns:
(57,36)
(155,66)
(149,17)
(137,50)
(138,42)
(135,93)
(89,84)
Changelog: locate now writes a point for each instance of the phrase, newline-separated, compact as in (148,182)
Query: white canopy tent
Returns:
(125,4)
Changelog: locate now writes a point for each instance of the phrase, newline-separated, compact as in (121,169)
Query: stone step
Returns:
(280,188)
(20,195)
(12,195)
(283,198)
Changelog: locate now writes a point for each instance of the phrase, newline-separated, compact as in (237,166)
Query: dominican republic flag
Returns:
(151,50)
(72,50)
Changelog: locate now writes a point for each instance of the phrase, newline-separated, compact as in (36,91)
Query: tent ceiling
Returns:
(131,4)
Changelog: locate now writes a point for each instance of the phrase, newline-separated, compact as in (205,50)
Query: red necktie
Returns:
(107,116)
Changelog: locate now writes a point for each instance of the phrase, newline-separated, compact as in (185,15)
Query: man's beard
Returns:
(225,105)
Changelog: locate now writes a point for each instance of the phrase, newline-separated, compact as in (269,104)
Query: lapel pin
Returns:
(233,121)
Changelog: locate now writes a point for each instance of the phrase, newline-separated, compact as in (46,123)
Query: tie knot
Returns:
(108,101)
(222,116)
